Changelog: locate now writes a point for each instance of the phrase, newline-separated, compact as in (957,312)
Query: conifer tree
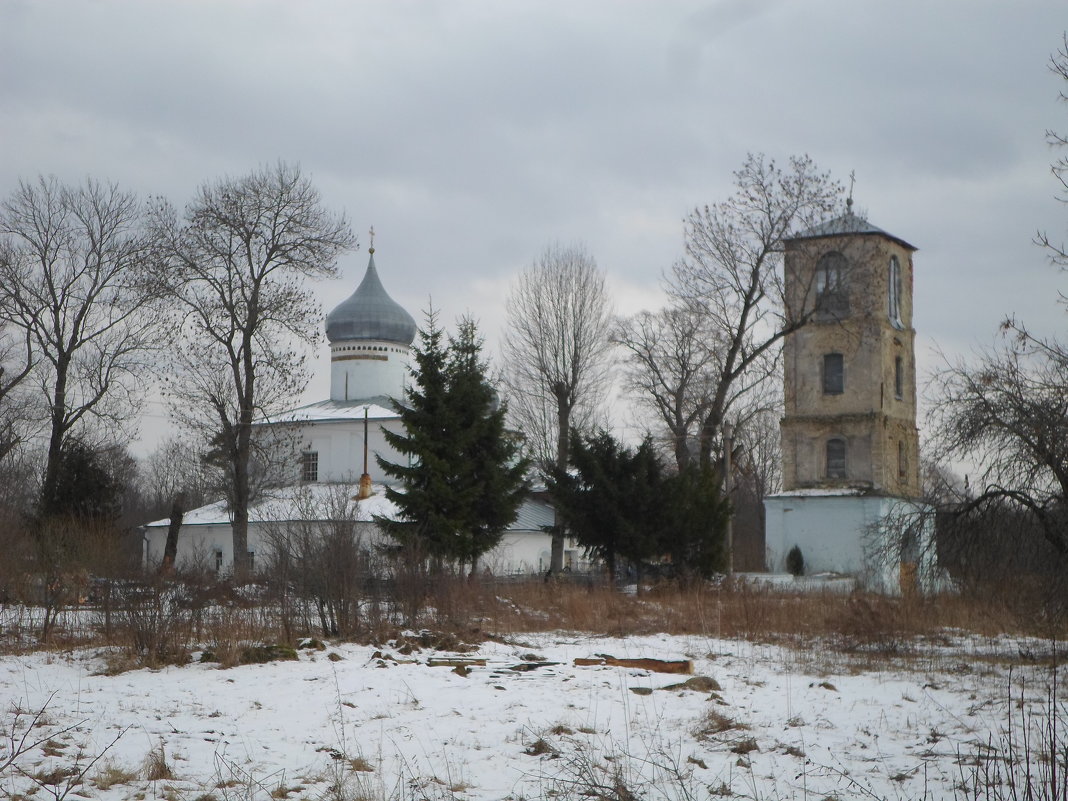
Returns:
(424,497)
(491,475)
(613,502)
(463,481)
(696,522)
(620,504)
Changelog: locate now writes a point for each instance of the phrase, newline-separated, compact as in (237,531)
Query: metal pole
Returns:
(728,440)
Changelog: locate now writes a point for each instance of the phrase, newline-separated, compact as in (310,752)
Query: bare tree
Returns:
(176,466)
(1058,64)
(732,274)
(1009,414)
(16,362)
(75,283)
(239,259)
(557,352)
(670,368)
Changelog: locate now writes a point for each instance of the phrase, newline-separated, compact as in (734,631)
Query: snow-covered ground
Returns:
(794,725)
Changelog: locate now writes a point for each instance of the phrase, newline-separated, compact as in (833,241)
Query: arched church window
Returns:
(894,292)
(899,377)
(832,295)
(836,458)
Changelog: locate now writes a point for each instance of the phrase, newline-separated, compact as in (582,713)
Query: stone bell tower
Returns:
(850,445)
(850,374)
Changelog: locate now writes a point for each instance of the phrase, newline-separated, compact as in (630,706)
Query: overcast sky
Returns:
(472,134)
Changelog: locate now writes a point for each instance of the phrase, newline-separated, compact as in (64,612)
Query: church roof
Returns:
(370,314)
(849,224)
(292,503)
(332,411)
(314,502)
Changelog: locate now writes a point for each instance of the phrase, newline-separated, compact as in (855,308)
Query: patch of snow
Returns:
(818,730)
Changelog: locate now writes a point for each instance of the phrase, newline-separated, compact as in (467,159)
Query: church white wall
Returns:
(858,535)
(340,448)
(208,546)
(362,369)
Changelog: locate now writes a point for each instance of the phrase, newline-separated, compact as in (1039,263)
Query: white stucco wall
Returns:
(856,535)
(340,448)
(209,545)
(366,369)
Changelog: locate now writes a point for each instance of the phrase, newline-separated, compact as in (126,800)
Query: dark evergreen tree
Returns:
(463,480)
(490,480)
(613,501)
(85,488)
(424,495)
(695,522)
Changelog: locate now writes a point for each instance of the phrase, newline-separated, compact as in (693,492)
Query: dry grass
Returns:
(156,768)
(111,775)
(854,621)
(461,612)
(714,722)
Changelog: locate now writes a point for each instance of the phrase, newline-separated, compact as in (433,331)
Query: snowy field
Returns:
(352,722)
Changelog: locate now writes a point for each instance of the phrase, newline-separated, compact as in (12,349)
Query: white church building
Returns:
(335,441)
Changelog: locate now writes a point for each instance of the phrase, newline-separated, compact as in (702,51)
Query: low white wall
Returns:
(206,546)
(866,536)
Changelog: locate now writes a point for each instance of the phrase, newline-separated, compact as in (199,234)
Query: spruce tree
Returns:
(424,496)
(464,480)
(490,482)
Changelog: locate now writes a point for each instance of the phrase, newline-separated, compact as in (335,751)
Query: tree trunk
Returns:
(563,431)
(55,439)
(170,550)
(242,454)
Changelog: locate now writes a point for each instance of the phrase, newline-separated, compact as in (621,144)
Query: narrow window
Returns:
(899,378)
(251,561)
(218,560)
(902,460)
(833,374)
(309,466)
(832,295)
(894,292)
(836,458)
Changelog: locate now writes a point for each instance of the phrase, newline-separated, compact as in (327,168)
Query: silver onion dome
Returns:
(371,314)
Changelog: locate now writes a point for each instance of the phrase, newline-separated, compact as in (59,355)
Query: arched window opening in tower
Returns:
(894,292)
(832,295)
